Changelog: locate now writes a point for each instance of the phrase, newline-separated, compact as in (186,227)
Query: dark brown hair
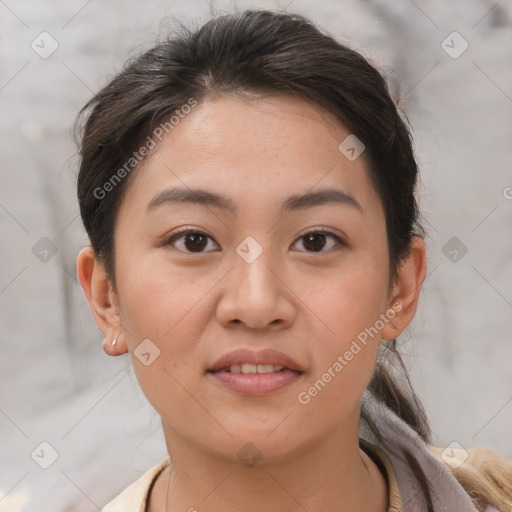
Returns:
(246,53)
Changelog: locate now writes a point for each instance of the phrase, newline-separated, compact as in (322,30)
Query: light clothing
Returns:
(133,498)
(446,471)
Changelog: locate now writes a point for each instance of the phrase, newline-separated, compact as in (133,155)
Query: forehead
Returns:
(263,148)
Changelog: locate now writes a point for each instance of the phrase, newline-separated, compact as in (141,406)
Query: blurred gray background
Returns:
(56,385)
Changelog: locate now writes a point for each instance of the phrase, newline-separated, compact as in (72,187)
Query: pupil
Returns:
(198,241)
(313,240)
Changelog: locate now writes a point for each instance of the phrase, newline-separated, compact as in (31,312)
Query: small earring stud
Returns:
(114,341)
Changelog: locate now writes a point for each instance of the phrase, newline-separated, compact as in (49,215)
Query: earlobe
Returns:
(98,290)
(406,290)
(115,346)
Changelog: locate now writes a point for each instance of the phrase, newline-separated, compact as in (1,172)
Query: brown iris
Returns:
(314,241)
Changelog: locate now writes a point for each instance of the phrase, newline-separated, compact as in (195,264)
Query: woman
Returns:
(248,191)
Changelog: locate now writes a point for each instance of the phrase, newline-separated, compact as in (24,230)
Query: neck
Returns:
(332,475)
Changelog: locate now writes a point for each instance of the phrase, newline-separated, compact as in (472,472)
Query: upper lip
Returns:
(268,356)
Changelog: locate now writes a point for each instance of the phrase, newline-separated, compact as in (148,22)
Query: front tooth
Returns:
(236,368)
(265,368)
(249,368)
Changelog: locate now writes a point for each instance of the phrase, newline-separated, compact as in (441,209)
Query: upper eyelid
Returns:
(340,240)
(186,231)
(325,231)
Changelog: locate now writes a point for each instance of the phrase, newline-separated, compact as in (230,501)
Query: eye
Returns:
(315,241)
(190,240)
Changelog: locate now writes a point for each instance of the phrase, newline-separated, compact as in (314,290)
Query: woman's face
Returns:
(252,276)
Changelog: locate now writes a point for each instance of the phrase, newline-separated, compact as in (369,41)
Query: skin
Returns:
(197,306)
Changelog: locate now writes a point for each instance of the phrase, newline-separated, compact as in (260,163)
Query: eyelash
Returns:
(186,231)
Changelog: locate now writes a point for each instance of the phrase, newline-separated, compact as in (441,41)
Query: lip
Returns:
(256,384)
(268,356)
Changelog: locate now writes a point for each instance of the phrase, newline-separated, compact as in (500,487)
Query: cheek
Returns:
(347,299)
(158,299)
(169,307)
(348,306)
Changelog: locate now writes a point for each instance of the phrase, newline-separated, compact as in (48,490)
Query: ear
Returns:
(102,299)
(405,293)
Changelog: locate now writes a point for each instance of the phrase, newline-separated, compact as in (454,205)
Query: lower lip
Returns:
(256,384)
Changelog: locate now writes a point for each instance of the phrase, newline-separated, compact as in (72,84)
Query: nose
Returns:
(257,295)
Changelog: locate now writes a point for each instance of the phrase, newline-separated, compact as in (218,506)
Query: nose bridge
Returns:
(253,268)
(255,295)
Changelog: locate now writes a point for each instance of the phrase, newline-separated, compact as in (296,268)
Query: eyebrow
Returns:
(295,202)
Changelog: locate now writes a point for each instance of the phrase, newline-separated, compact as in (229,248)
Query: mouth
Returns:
(247,368)
(255,373)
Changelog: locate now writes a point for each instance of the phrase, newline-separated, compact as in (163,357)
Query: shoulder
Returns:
(133,498)
(484,475)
